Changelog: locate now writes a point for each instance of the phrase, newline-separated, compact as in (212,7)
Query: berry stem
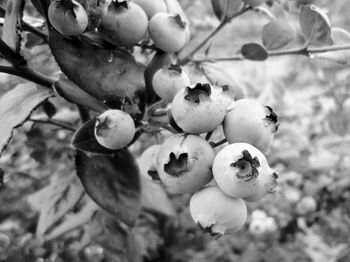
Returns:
(221,142)
(222,24)
(169,128)
(297,51)
(53,122)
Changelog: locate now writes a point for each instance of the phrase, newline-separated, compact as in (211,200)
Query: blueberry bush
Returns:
(174,130)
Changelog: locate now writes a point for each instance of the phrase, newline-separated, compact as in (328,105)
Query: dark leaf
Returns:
(41,6)
(16,106)
(49,109)
(254,52)
(110,76)
(84,139)
(72,93)
(113,182)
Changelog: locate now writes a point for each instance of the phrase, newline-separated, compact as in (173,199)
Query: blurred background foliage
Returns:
(311,152)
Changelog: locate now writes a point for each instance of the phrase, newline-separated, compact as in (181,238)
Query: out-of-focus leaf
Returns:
(84,139)
(110,76)
(155,199)
(226,7)
(342,57)
(74,220)
(217,75)
(277,34)
(315,25)
(117,240)
(55,200)
(72,93)
(113,182)
(16,106)
(14,12)
(254,52)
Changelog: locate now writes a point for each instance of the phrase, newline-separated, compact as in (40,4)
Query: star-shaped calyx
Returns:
(176,68)
(177,166)
(272,119)
(120,4)
(209,230)
(102,125)
(248,167)
(193,94)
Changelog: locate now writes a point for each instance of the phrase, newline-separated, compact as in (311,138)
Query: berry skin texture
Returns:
(148,163)
(124,24)
(184,163)
(241,171)
(168,80)
(114,129)
(217,213)
(168,32)
(250,122)
(64,21)
(152,7)
(198,109)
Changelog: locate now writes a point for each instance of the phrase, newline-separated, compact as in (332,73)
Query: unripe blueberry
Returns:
(184,163)
(217,213)
(249,122)
(168,80)
(198,108)
(242,171)
(114,129)
(148,163)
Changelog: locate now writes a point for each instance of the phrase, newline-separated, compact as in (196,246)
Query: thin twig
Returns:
(53,122)
(225,21)
(169,128)
(296,51)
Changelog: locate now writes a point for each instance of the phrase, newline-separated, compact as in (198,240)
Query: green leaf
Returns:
(72,93)
(155,199)
(277,34)
(227,8)
(55,200)
(16,106)
(254,52)
(14,13)
(218,76)
(72,220)
(112,182)
(110,76)
(84,139)
(315,25)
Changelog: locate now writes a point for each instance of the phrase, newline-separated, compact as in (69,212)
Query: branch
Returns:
(225,21)
(29,75)
(297,51)
(53,122)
